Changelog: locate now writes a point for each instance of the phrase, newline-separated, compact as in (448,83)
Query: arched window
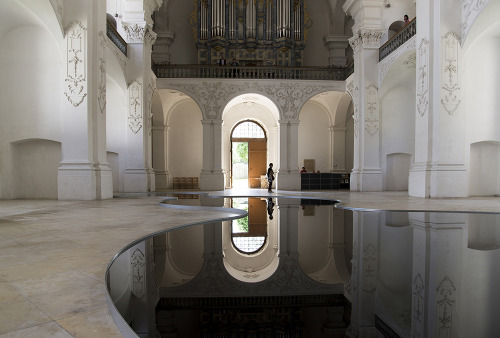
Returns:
(248,129)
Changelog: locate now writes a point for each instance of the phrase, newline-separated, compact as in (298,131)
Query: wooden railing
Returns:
(397,40)
(117,39)
(257,72)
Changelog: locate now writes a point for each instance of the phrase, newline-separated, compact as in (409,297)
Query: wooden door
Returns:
(256,162)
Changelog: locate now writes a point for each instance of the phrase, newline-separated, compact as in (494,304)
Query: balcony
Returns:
(255,72)
(398,40)
(116,38)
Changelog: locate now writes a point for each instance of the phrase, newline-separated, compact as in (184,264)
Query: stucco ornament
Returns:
(450,74)
(371,117)
(139,33)
(353,90)
(352,284)
(76,72)
(151,91)
(135,107)
(423,77)
(101,84)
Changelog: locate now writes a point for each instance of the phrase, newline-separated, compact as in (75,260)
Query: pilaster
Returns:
(135,26)
(162,176)
(368,31)
(212,176)
(439,162)
(336,45)
(288,175)
(337,136)
(84,173)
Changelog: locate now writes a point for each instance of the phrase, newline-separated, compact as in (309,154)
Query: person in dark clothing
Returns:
(270,177)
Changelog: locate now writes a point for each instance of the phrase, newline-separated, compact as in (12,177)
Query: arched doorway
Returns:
(248,154)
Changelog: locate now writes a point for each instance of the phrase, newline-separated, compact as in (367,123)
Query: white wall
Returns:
(185,140)
(31,96)
(314,136)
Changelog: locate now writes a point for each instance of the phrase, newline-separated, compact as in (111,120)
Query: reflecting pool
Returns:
(308,268)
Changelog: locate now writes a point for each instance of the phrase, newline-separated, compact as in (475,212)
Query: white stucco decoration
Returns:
(371,117)
(135,107)
(418,306)
(450,94)
(139,33)
(76,71)
(101,84)
(423,77)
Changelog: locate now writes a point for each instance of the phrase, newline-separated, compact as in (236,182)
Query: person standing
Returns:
(270,177)
(406,19)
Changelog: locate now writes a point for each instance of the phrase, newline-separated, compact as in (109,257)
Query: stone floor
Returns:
(53,254)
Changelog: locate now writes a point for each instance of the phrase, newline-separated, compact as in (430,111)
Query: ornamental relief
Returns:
(450,95)
(423,77)
(139,34)
(371,117)
(445,307)
(135,107)
(418,292)
(289,97)
(101,84)
(137,264)
(76,72)
(470,11)
(151,91)
(351,286)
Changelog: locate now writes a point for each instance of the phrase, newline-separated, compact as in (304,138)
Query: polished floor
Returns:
(53,254)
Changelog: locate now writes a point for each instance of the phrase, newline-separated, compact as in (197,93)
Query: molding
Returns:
(371,116)
(76,63)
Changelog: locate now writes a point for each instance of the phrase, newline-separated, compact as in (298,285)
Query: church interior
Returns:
(113,109)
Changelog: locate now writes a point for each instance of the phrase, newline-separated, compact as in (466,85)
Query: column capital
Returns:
(366,38)
(139,33)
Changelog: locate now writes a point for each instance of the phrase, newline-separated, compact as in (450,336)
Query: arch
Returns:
(477,18)
(254,107)
(394,28)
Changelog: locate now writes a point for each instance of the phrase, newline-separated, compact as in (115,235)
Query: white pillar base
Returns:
(438,182)
(366,180)
(288,180)
(81,181)
(138,180)
(418,182)
(212,180)
(162,179)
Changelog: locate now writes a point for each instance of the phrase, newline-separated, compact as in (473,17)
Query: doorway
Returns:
(248,155)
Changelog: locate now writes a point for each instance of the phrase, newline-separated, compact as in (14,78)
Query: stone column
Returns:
(84,173)
(212,176)
(439,162)
(136,27)
(368,31)
(337,45)
(438,240)
(160,156)
(288,175)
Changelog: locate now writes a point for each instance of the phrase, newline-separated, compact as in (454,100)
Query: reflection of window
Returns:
(248,129)
(247,238)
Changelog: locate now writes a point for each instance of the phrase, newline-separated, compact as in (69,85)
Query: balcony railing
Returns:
(117,39)
(244,72)
(397,40)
